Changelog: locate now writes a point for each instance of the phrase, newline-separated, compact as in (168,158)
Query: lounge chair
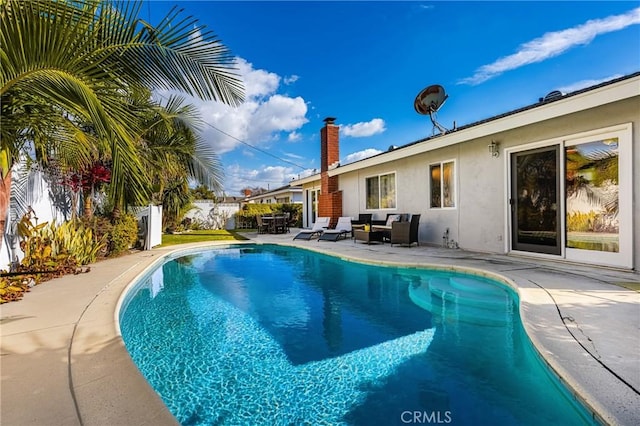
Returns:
(318,228)
(343,227)
(405,232)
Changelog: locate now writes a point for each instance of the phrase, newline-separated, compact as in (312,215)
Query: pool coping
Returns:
(105,387)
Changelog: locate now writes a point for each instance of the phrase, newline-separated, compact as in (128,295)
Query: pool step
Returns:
(475,286)
(483,296)
(462,299)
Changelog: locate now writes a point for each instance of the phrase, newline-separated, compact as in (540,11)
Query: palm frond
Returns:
(206,168)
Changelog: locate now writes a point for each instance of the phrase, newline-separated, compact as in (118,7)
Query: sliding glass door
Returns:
(535,188)
(573,197)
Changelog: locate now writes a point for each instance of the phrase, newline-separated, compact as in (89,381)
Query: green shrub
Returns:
(295,214)
(123,235)
(50,251)
(247,216)
(49,244)
(119,235)
(76,239)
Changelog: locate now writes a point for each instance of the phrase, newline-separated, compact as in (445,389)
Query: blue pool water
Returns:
(252,335)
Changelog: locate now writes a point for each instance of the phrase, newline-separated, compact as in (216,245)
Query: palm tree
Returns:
(68,62)
(174,154)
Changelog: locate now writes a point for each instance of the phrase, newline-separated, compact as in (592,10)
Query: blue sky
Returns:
(365,61)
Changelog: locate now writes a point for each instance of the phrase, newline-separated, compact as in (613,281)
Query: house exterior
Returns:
(288,194)
(557,179)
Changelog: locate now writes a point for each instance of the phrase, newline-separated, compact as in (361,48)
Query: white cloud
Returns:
(293,156)
(585,83)
(291,79)
(257,83)
(268,177)
(360,155)
(278,113)
(257,121)
(364,129)
(553,44)
(294,137)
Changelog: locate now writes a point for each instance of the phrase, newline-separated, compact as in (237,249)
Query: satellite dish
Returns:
(552,96)
(429,101)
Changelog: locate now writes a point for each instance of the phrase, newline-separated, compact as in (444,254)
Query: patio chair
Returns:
(280,224)
(318,228)
(405,232)
(384,226)
(263,227)
(292,220)
(391,217)
(363,219)
(343,227)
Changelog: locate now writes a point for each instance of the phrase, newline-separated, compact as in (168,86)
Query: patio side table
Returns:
(367,236)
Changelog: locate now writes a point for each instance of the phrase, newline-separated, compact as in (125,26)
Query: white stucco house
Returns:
(288,194)
(557,179)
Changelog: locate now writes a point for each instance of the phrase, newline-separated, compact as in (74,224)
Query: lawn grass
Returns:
(199,236)
(630,285)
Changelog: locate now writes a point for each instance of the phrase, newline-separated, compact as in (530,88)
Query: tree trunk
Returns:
(74,205)
(5,199)
(116,213)
(87,210)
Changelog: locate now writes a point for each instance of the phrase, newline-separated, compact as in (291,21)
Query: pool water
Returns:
(252,335)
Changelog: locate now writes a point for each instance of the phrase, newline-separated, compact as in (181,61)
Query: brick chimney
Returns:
(330,199)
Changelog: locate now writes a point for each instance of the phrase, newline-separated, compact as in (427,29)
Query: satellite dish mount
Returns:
(429,101)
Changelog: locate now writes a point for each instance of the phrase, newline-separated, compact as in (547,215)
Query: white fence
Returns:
(214,215)
(150,226)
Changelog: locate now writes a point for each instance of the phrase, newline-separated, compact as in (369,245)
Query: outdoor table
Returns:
(367,236)
(272,224)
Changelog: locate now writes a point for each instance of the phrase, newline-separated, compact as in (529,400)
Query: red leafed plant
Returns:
(91,178)
(95,175)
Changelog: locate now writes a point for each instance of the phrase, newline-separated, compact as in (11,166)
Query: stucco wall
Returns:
(204,211)
(412,176)
(480,220)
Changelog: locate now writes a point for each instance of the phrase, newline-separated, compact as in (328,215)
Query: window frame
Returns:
(624,256)
(453,185)
(395,191)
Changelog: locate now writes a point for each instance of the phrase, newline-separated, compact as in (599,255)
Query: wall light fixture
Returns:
(494,148)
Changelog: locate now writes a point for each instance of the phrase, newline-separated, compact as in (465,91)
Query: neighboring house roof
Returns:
(545,109)
(274,192)
(221,200)
(230,199)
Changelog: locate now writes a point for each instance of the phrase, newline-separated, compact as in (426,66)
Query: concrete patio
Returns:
(63,362)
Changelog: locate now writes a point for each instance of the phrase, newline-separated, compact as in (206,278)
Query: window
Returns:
(381,191)
(443,192)
(592,187)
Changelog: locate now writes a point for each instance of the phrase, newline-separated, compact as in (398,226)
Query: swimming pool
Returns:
(262,334)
